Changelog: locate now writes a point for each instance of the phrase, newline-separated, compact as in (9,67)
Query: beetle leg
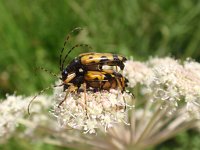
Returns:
(67,92)
(71,88)
(116,68)
(119,84)
(124,104)
(85,98)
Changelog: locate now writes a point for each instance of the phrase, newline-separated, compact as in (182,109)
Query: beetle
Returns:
(94,81)
(97,80)
(92,62)
(88,61)
(82,70)
(79,70)
(103,80)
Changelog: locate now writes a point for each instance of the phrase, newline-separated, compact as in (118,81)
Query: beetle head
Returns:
(64,75)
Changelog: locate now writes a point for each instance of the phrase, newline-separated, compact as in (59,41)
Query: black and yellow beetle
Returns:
(86,66)
(92,62)
(97,80)
(87,69)
(101,80)
(94,81)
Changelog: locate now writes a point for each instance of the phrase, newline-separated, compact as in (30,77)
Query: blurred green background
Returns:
(32,33)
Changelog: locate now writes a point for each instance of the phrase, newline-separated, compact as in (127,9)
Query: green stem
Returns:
(164,135)
(149,125)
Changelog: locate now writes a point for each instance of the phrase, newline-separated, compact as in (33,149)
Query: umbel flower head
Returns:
(167,82)
(166,102)
(90,111)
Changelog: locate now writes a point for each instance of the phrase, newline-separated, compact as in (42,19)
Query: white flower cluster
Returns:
(137,72)
(89,111)
(169,82)
(39,114)
(162,87)
(193,87)
(11,110)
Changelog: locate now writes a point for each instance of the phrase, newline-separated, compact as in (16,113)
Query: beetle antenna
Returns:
(75,46)
(64,45)
(42,91)
(43,69)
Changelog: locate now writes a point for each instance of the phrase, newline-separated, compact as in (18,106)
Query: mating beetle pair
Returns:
(87,69)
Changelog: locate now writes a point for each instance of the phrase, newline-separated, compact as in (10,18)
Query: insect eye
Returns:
(64,75)
(64,72)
